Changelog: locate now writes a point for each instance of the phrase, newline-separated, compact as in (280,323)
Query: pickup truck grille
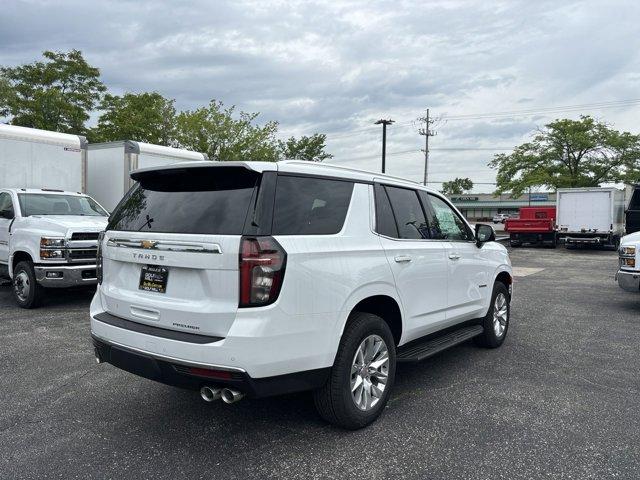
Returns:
(85,236)
(82,247)
(81,254)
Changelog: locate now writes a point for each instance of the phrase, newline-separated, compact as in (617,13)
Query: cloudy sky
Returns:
(490,71)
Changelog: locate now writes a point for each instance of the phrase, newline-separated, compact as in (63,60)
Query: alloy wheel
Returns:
(369,372)
(500,315)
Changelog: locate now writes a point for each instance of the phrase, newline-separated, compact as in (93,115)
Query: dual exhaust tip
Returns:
(228,395)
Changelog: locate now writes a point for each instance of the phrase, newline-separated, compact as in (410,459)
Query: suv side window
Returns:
(385,221)
(445,222)
(408,212)
(310,206)
(6,205)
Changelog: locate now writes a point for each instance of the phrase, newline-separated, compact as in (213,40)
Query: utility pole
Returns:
(427,132)
(384,124)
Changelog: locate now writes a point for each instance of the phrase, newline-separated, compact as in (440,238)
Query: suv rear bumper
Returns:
(194,376)
(65,275)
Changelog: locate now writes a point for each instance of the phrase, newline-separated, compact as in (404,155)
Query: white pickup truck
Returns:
(628,275)
(48,239)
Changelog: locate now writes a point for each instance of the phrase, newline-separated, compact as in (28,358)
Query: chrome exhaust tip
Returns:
(231,396)
(97,354)
(210,394)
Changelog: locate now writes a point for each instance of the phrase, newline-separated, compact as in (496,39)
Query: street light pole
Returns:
(384,124)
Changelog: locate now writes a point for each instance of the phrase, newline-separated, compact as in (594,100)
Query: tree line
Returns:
(61,91)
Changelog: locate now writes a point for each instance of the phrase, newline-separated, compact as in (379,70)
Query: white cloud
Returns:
(337,66)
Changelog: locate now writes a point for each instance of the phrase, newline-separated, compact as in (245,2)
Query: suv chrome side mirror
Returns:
(484,233)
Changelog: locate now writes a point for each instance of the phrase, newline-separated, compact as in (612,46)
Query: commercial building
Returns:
(483,206)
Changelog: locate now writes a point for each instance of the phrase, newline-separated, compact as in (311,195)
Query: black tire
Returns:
(514,244)
(22,272)
(489,337)
(334,400)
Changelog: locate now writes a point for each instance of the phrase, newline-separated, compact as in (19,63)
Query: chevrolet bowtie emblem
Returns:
(148,244)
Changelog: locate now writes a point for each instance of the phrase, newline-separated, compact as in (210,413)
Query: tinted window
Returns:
(445,222)
(310,206)
(190,200)
(408,213)
(51,204)
(385,222)
(634,204)
(6,205)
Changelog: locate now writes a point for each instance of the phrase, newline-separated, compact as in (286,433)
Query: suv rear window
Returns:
(188,200)
(310,206)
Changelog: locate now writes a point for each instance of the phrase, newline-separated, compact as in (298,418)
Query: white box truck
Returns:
(590,216)
(32,158)
(48,229)
(110,163)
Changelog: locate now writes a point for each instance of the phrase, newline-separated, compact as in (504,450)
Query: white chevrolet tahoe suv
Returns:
(628,275)
(251,278)
(48,239)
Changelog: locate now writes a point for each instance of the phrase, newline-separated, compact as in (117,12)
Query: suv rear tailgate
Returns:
(171,250)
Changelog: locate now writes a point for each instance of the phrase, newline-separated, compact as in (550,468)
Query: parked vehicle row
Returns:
(249,278)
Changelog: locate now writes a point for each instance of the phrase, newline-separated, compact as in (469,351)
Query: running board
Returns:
(428,348)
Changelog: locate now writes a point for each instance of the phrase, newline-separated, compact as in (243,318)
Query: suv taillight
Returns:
(99,258)
(262,263)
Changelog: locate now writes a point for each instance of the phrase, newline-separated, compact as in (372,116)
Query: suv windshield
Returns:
(190,200)
(52,204)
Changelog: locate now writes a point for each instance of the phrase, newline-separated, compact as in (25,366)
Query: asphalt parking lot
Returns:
(560,399)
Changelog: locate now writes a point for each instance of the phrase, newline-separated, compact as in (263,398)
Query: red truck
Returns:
(536,225)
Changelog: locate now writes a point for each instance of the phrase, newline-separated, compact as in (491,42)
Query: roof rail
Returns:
(349,169)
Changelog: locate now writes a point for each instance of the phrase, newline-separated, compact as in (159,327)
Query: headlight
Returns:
(52,247)
(627,256)
(627,251)
(52,242)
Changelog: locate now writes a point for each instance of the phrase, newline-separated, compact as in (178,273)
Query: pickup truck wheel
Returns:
(26,289)
(496,322)
(362,375)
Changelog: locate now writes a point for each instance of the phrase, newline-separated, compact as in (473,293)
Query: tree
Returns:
(224,135)
(56,94)
(457,186)
(305,148)
(145,117)
(570,153)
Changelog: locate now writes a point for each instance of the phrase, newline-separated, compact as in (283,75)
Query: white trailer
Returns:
(592,216)
(110,163)
(32,158)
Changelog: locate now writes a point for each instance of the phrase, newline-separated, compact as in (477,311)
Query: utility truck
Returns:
(535,225)
(590,216)
(48,239)
(110,163)
(48,228)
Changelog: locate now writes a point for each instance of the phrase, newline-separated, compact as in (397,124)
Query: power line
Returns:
(492,115)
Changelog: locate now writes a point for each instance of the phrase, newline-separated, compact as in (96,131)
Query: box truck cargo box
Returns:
(109,165)
(32,158)
(590,215)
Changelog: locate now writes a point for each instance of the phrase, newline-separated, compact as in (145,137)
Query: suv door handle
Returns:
(454,256)
(402,258)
